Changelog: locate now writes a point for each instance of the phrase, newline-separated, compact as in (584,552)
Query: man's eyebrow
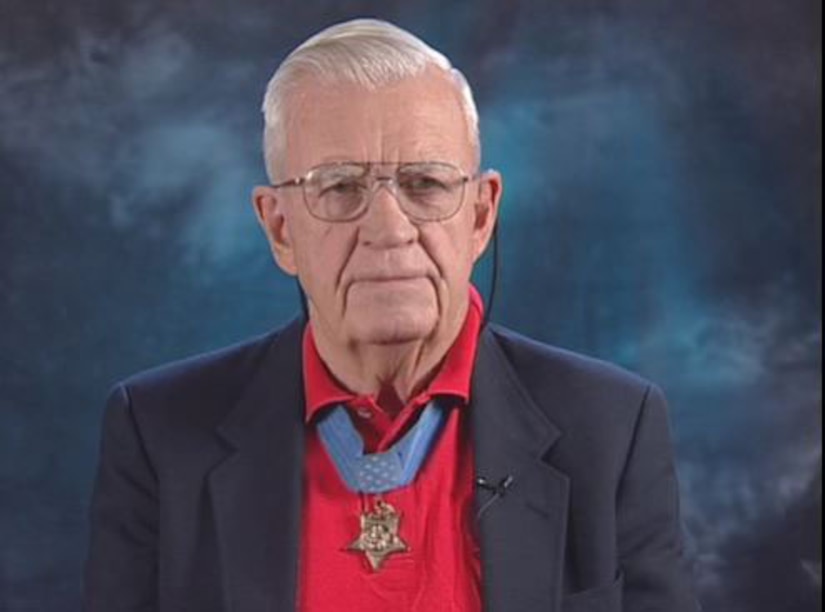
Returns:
(338,159)
(425,163)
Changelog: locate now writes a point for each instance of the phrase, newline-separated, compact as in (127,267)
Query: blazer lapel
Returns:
(257,489)
(522,532)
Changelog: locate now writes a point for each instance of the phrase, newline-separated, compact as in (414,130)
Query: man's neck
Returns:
(392,373)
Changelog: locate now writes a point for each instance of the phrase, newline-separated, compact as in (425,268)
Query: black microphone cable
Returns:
(498,490)
(493,279)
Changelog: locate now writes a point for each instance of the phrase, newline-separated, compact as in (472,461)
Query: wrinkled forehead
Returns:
(418,118)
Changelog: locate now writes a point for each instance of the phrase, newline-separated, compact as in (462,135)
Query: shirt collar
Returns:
(453,378)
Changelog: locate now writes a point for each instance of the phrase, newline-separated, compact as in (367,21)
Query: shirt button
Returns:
(364,413)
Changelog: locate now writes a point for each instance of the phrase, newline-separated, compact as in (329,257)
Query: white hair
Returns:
(368,52)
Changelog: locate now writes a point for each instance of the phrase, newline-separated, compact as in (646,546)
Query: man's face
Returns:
(381,278)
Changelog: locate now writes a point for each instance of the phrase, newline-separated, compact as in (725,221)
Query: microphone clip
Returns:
(498,491)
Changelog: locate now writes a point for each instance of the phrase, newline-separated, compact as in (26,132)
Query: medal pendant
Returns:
(379,534)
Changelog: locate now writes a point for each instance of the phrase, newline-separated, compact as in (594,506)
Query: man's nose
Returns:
(386,223)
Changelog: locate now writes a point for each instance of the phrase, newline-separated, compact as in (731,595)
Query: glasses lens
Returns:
(337,192)
(427,191)
(431,191)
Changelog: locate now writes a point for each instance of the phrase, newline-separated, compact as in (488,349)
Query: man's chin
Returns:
(392,330)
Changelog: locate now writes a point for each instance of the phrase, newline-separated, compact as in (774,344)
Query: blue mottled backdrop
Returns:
(662,210)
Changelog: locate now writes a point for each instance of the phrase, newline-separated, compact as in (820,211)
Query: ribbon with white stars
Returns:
(379,472)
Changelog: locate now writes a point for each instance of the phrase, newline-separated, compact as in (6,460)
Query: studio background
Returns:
(662,210)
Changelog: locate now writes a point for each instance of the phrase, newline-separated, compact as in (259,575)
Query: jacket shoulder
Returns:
(576,391)
(200,390)
(531,357)
(213,368)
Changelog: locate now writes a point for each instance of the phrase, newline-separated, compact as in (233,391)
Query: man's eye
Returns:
(343,188)
(422,183)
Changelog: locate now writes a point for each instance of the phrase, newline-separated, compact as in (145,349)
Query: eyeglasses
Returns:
(425,191)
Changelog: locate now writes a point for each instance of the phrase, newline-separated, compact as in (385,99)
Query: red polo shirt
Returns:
(441,570)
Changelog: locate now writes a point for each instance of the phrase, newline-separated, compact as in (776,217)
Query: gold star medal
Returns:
(379,534)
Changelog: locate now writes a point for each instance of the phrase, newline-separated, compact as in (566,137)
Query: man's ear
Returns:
(486,210)
(269,208)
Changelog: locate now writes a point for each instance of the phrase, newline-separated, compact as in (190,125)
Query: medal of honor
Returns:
(379,473)
(379,534)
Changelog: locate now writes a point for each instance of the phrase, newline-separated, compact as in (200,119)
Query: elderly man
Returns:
(390,451)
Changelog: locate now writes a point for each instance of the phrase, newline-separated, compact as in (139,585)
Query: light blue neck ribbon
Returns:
(379,472)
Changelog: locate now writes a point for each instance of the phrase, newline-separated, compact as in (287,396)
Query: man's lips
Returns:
(388,278)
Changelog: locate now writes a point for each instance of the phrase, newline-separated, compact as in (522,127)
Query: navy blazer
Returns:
(197,502)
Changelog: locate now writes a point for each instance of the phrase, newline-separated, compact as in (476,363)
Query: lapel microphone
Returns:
(498,490)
